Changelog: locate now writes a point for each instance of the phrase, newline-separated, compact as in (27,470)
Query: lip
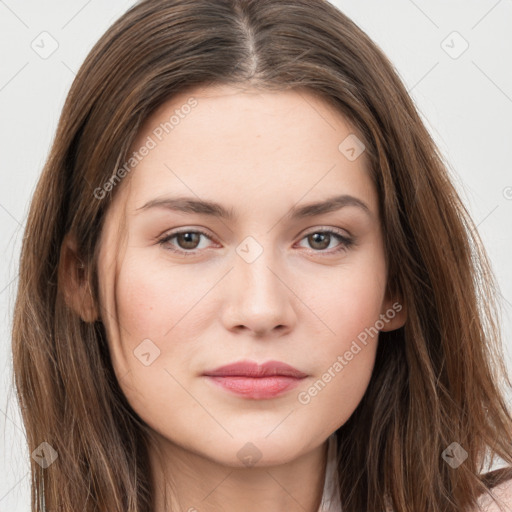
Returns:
(256,381)
(252,369)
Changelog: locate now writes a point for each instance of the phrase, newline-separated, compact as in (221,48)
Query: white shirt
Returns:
(331,494)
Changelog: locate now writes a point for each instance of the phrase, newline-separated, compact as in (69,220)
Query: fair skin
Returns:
(232,149)
(301,301)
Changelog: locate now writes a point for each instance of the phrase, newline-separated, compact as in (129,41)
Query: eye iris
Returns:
(187,238)
(319,237)
(190,240)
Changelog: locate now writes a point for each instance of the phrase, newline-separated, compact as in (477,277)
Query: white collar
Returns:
(330,498)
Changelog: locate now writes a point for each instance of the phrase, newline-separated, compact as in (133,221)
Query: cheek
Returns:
(344,361)
(348,298)
(154,303)
(328,401)
(152,300)
(349,301)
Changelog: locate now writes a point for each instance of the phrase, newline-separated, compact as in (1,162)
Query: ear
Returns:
(393,313)
(73,281)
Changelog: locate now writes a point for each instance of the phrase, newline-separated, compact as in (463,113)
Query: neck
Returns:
(187,481)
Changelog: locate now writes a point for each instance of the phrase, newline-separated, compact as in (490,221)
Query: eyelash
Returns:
(346,243)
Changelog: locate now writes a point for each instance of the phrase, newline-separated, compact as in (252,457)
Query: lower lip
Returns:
(257,387)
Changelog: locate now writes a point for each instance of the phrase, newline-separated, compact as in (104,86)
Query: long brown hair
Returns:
(435,381)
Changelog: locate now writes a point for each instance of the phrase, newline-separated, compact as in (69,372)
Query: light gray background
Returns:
(466,103)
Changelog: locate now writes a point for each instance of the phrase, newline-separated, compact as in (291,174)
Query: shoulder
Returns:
(503,495)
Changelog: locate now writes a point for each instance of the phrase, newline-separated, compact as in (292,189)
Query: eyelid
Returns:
(346,240)
(342,232)
(178,231)
(163,239)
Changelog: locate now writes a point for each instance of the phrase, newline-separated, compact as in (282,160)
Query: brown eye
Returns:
(319,241)
(188,240)
(186,243)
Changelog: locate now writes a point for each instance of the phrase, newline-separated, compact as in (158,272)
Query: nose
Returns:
(257,298)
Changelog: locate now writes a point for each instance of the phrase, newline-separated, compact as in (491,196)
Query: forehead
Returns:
(248,146)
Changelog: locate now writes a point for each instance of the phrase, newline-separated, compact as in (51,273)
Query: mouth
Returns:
(252,380)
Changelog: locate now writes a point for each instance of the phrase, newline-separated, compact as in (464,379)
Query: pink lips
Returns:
(251,380)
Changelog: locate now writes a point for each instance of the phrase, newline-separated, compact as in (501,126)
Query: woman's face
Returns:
(280,258)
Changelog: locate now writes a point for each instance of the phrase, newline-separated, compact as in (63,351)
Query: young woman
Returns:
(247,282)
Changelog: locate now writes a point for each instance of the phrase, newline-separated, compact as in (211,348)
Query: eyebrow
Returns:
(204,207)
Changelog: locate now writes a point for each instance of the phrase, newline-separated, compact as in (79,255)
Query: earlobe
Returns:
(73,281)
(393,315)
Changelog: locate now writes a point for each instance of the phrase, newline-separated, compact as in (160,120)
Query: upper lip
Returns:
(253,369)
